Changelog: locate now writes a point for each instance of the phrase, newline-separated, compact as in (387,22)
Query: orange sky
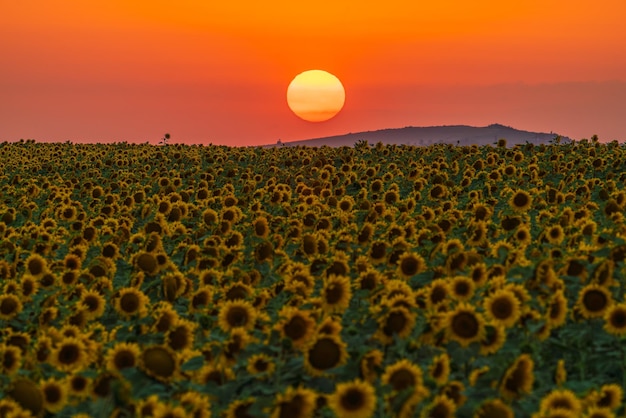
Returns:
(110,70)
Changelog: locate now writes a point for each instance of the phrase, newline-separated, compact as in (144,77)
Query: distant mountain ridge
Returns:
(424,136)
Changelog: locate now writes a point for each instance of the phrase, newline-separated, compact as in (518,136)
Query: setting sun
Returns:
(315,95)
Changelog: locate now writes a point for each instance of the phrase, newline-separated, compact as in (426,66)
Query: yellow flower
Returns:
(54,395)
(520,201)
(121,356)
(131,302)
(70,355)
(593,301)
(325,352)
(397,321)
(295,403)
(296,325)
(494,408)
(336,293)
(10,306)
(615,319)
(260,364)
(93,303)
(502,307)
(561,399)
(36,265)
(238,313)
(402,375)
(519,378)
(464,325)
(410,264)
(159,362)
(442,406)
(440,369)
(355,399)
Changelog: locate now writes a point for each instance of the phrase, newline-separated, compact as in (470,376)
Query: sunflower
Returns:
(10,359)
(520,201)
(495,337)
(402,375)
(593,301)
(92,303)
(478,274)
(598,412)
(78,386)
(217,373)
(560,374)
(69,355)
(615,319)
(239,408)
(440,407)
(131,302)
(27,394)
(494,408)
(54,395)
(36,265)
(159,362)
(397,321)
(554,234)
(122,356)
(557,310)
(475,374)
(519,378)
(461,288)
(325,352)
(200,299)
(336,293)
(560,399)
(355,399)
(378,252)
(295,403)
(260,226)
(296,324)
(502,307)
(180,335)
(464,325)
(329,326)
(522,235)
(610,396)
(10,408)
(28,286)
(164,316)
(440,369)
(147,262)
(237,313)
(260,364)
(477,236)
(437,292)
(370,364)
(238,290)
(410,264)
(10,306)
(197,404)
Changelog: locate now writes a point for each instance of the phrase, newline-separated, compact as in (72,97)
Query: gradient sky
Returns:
(217,72)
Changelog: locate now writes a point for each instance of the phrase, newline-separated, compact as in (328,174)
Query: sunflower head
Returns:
(464,325)
(593,301)
(238,313)
(159,362)
(353,399)
(323,353)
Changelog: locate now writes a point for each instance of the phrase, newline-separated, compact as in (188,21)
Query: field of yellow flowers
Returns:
(367,281)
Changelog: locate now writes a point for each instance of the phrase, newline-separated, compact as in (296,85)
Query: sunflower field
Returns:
(368,281)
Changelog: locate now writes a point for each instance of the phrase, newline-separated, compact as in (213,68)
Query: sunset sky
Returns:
(218,72)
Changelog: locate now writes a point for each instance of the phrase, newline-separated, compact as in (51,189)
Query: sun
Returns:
(315,95)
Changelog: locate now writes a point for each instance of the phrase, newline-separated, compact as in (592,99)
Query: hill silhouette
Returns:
(424,136)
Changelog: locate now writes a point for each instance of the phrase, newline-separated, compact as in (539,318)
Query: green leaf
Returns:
(192,364)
